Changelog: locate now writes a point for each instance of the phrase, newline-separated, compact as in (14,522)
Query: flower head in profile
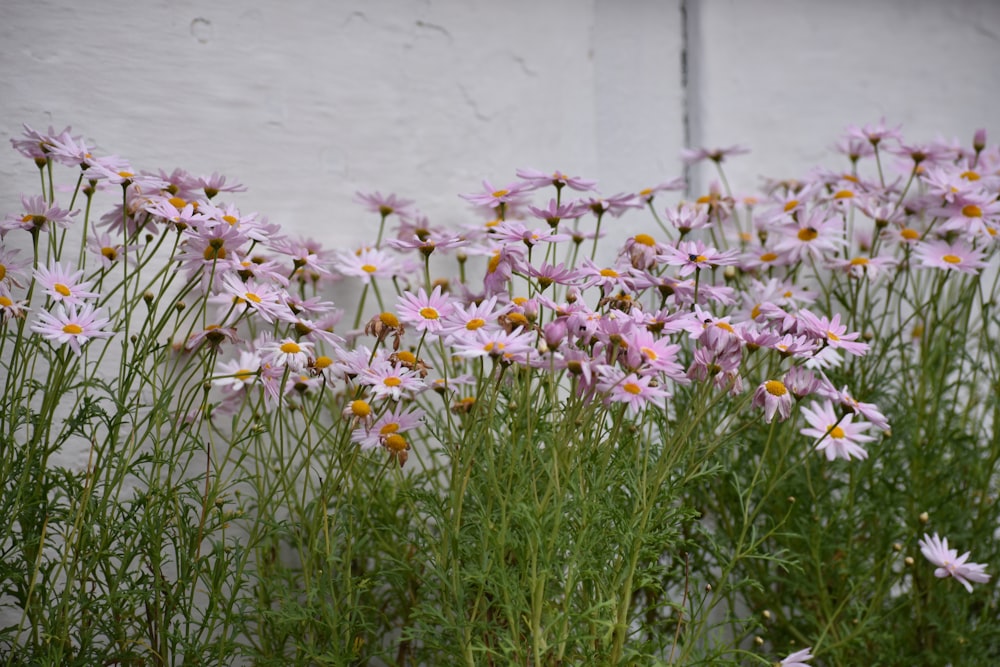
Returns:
(797,659)
(695,155)
(71,326)
(950,564)
(37,215)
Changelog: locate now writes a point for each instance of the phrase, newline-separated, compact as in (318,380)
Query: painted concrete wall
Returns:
(309,100)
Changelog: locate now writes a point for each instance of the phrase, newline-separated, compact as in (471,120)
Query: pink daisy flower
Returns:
(695,155)
(9,306)
(13,270)
(950,564)
(635,391)
(216,183)
(797,659)
(71,326)
(814,235)
(239,373)
(64,285)
(367,263)
(37,215)
(837,436)
(534,179)
(391,380)
(266,300)
(774,397)
(495,197)
(955,256)
(425,313)
(694,255)
(831,332)
(384,205)
(286,352)
(397,420)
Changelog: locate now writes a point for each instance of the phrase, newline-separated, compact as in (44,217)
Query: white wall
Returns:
(307,101)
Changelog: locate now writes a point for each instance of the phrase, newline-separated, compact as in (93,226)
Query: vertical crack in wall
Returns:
(690,79)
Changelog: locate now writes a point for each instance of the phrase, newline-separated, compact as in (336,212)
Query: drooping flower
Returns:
(774,397)
(37,215)
(950,564)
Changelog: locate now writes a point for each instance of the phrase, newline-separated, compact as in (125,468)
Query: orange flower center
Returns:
(952,259)
(392,382)
(290,347)
(807,234)
(62,289)
(632,388)
(972,211)
(428,313)
(475,323)
(73,329)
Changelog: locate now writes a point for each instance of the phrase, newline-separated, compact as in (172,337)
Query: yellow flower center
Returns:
(428,313)
(177,202)
(632,388)
(231,219)
(109,253)
(406,357)
(832,336)
(389,428)
(755,312)
(290,347)
(650,354)
(972,211)
(837,432)
(517,318)
(3,271)
(360,408)
(699,258)
(5,302)
(73,329)
(952,259)
(392,381)
(909,234)
(768,257)
(807,234)
(494,263)
(843,194)
(126,174)
(609,273)
(475,323)
(500,193)
(775,387)
(214,252)
(244,374)
(645,239)
(859,261)
(725,327)
(62,289)
(491,346)
(368,268)
(322,362)
(789,205)
(396,443)
(969,175)
(388,319)
(250,296)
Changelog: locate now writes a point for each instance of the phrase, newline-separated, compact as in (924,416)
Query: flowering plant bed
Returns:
(756,432)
